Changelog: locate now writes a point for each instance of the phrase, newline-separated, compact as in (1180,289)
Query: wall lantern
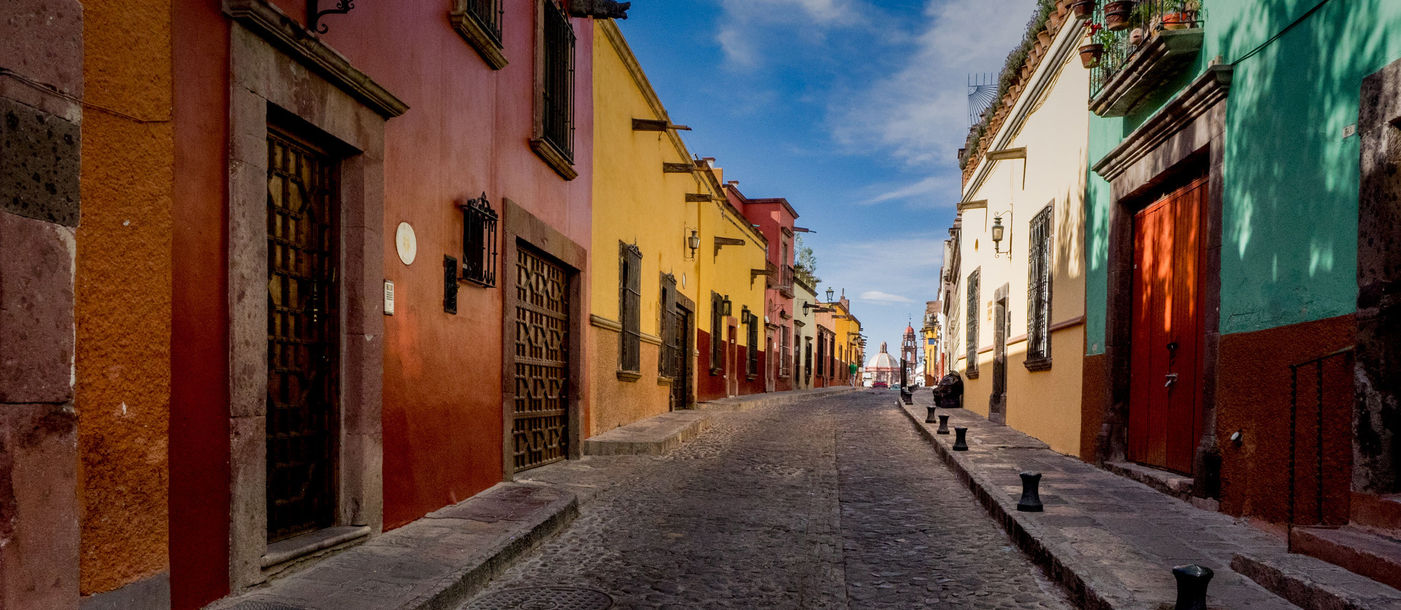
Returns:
(726,307)
(693,242)
(998,232)
(830,294)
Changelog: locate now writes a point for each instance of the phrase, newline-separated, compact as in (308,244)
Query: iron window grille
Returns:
(974,297)
(557,92)
(717,330)
(785,366)
(1038,306)
(487,14)
(752,321)
(479,23)
(630,307)
(807,359)
(479,242)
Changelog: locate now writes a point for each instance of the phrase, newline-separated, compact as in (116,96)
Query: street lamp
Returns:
(998,232)
(830,294)
(693,242)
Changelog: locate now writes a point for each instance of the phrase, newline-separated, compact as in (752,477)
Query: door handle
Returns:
(1171,380)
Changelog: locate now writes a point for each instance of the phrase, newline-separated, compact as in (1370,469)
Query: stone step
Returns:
(1360,551)
(652,436)
(1382,512)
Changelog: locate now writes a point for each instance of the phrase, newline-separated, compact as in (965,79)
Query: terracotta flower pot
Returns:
(1179,21)
(1083,8)
(1116,14)
(1090,54)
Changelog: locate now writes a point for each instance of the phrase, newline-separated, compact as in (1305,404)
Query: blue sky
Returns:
(852,109)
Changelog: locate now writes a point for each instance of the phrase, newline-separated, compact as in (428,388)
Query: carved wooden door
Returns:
(303,337)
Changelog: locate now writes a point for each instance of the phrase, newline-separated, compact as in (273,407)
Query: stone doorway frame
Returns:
(1189,129)
(1376,448)
(279,75)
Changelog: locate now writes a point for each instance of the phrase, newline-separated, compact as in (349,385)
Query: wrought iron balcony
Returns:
(1146,43)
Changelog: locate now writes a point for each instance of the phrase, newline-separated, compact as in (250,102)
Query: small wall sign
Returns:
(388,298)
(406,243)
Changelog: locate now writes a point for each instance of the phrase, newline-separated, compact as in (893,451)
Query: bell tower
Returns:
(909,356)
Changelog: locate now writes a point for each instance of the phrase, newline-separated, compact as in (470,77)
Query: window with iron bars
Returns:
(630,307)
(785,366)
(717,334)
(753,337)
(554,138)
(1038,292)
(479,241)
(479,23)
(974,298)
(807,359)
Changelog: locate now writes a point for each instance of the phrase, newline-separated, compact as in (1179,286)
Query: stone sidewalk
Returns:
(1112,542)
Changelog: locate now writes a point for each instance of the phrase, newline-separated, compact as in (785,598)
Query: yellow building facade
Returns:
(1017,247)
(649,288)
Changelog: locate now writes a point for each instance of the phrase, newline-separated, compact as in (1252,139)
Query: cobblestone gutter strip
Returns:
(1110,541)
(434,563)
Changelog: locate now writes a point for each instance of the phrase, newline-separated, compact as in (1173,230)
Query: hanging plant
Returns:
(1117,14)
(1093,48)
(1083,8)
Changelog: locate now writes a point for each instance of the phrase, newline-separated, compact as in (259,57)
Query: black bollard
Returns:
(1191,586)
(960,439)
(943,425)
(929,419)
(907,397)
(1031,497)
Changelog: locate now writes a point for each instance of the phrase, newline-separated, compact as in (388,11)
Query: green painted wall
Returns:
(1289,215)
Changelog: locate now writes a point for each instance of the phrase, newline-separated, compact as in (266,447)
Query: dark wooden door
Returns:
(680,349)
(997,402)
(1165,405)
(303,337)
(540,426)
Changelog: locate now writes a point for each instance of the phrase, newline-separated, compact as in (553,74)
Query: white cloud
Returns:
(743,23)
(932,191)
(919,113)
(883,297)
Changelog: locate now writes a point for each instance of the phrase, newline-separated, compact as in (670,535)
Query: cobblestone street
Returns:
(834,502)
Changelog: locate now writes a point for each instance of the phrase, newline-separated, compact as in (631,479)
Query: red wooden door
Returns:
(1164,401)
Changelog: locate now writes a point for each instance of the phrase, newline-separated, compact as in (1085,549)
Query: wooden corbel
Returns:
(678,168)
(699,197)
(656,125)
(721,242)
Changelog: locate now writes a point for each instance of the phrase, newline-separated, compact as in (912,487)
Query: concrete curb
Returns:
(460,587)
(1027,536)
(435,563)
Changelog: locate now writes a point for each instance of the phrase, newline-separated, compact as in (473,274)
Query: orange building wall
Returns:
(123,293)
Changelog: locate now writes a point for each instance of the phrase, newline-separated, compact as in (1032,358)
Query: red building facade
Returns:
(774,218)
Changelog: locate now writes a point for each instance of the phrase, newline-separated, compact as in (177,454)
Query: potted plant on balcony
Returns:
(1093,49)
(1083,8)
(1117,14)
(1183,16)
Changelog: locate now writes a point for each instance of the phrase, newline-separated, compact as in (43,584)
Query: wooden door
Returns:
(1165,366)
(540,423)
(303,337)
(997,402)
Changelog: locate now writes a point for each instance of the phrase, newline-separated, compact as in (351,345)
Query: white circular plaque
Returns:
(406,243)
